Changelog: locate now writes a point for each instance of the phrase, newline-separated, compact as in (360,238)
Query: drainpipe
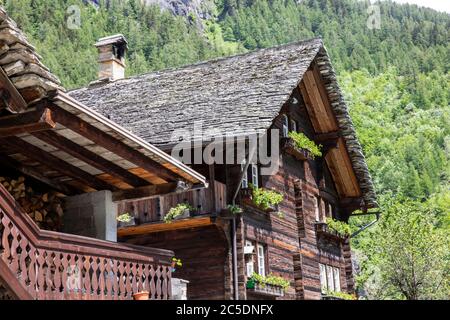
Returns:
(377,214)
(234,225)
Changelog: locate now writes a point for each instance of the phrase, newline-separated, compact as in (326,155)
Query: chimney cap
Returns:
(114,39)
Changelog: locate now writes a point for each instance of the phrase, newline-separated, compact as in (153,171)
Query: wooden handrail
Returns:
(22,244)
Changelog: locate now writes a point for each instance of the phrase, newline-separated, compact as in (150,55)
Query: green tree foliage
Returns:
(406,256)
(157,39)
(395,79)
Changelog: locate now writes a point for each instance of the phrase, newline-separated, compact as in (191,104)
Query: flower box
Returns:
(288,146)
(247,199)
(266,290)
(322,229)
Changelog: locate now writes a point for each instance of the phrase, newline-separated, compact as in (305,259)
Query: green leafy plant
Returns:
(125,217)
(265,198)
(271,279)
(303,142)
(342,228)
(234,209)
(340,295)
(176,211)
(176,262)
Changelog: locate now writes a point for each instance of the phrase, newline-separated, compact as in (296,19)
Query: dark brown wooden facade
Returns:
(294,245)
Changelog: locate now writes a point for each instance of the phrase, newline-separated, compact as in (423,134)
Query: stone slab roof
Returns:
(231,95)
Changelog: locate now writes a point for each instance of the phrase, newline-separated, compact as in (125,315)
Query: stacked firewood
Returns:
(45,209)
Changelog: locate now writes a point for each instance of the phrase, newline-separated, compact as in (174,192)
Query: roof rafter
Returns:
(28,122)
(90,158)
(106,141)
(37,154)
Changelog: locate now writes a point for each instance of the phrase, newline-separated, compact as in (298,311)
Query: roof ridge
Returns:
(214,60)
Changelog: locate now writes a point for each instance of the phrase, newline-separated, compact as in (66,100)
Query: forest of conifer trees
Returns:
(396,81)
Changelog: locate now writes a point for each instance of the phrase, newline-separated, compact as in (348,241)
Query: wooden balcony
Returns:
(46,265)
(149,213)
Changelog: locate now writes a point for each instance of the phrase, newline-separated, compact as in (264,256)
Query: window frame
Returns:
(244,183)
(255,175)
(249,264)
(261,257)
(285,126)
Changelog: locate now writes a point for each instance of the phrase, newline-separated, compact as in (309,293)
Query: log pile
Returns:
(45,209)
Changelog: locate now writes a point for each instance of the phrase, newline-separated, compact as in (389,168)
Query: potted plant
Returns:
(234,209)
(301,147)
(141,295)
(176,263)
(271,284)
(340,228)
(125,220)
(181,210)
(267,200)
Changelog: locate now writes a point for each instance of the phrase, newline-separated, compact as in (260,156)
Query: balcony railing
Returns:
(205,201)
(38,264)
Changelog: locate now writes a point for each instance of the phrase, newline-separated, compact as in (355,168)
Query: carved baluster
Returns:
(165,283)
(65,275)
(57,277)
(134,284)
(5,241)
(87,276)
(32,271)
(40,274)
(94,282)
(129,290)
(140,278)
(115,279)
(23,244)
(102,284)
(109,279)
(121,280)
(158,283)
(152,282)
(49,272)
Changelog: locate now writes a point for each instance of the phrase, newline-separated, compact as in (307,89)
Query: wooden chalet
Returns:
(292,88)
(62,167)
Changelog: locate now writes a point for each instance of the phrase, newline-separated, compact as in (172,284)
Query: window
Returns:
(245,177)
(261,260)
(329,278)
(330,211)
(293,125)
(255,175)
(316,208)
(323,277)
(337,280)
(250,262)
(285,125)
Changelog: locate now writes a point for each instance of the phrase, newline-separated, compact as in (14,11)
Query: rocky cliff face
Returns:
(194,10)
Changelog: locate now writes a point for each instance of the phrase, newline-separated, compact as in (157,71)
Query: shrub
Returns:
(303,142)
(340,227)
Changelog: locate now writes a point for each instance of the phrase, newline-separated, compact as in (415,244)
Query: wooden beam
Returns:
(106,141)
(33,173)
(90,157)
(144,192)
(147,228)
(37,154)
(11,97)
(26,123)
(332,136)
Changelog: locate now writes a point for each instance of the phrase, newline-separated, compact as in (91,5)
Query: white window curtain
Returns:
(255,181)
(261,260)
(337,280)
(250,263)
(323,277)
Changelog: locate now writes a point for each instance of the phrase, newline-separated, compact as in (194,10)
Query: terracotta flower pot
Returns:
(143,295)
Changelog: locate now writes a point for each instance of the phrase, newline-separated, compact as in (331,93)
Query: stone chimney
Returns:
(111,57)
